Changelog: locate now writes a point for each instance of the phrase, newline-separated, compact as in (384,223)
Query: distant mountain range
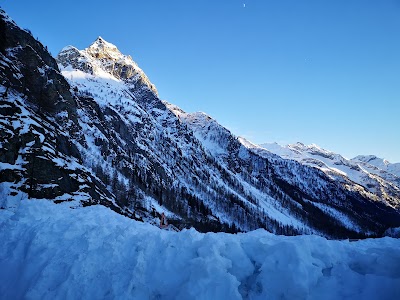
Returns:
(88,127)
(376,174)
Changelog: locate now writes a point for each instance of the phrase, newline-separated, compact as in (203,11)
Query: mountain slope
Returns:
(38,123)
(306,191)
(101,127)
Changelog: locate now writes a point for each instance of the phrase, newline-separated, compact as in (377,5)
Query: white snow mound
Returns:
(50,251)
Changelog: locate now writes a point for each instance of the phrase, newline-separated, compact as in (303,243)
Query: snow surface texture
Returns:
(50,251)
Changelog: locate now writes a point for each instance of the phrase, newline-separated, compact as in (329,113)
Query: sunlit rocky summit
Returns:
(103,56)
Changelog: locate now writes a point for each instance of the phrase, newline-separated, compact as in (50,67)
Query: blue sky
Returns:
(323,72)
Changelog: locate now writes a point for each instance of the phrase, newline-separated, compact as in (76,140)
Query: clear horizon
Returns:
(270,71)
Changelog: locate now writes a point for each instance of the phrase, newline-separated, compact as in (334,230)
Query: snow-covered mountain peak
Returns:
(315,150)
(206,129)
(307,153)
(103,57)
(102,43)
(377,162)
(68,49)
(176,110)
(101,49)
(200,121)
(71,57)
(245,142)
(311,148)
(373,159)
(199,117)
(298,150)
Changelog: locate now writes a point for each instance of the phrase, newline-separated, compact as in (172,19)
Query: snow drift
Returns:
(52,251)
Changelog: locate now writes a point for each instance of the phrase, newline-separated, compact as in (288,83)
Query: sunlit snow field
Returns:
(50,251)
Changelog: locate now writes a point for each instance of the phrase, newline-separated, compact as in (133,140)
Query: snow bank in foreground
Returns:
(50,251)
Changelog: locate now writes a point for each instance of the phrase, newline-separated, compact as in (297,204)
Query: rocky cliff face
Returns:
(96,132)
(38,158)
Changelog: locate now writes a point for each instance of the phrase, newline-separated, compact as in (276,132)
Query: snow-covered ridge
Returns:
(49,251)
(375,174)
(207,130)
(380,163)
(6,17)
(372,159)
